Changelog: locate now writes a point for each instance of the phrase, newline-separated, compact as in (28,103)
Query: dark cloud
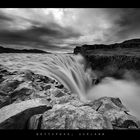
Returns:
(108,25)
(4,18)
(128,25)
(37,36)
(130,17)
(124,25)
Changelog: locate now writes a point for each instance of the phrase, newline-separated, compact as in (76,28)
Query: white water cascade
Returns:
(68,70)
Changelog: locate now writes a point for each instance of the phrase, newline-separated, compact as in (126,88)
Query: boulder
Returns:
(67,116)
(68,112)
(15,115)
(116,112)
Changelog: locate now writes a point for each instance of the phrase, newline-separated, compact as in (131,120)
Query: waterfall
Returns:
(70,72)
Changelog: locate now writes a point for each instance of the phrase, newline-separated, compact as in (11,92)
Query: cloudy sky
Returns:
(61,29)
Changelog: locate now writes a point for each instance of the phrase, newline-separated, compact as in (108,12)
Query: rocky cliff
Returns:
(131,44)
(114,59)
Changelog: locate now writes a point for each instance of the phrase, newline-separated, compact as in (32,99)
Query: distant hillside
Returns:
(10,50)
(133,43)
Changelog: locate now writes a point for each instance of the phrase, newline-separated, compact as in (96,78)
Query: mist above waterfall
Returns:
(127,91)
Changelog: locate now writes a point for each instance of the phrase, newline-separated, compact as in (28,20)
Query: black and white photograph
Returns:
(70,69)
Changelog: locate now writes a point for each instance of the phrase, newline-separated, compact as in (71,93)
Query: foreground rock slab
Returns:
(15,116)
(68,112)
(70,117)
(116,112)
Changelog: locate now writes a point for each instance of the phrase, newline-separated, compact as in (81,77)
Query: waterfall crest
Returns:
(68,71)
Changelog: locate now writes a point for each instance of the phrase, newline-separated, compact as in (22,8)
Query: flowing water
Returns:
(70,71)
